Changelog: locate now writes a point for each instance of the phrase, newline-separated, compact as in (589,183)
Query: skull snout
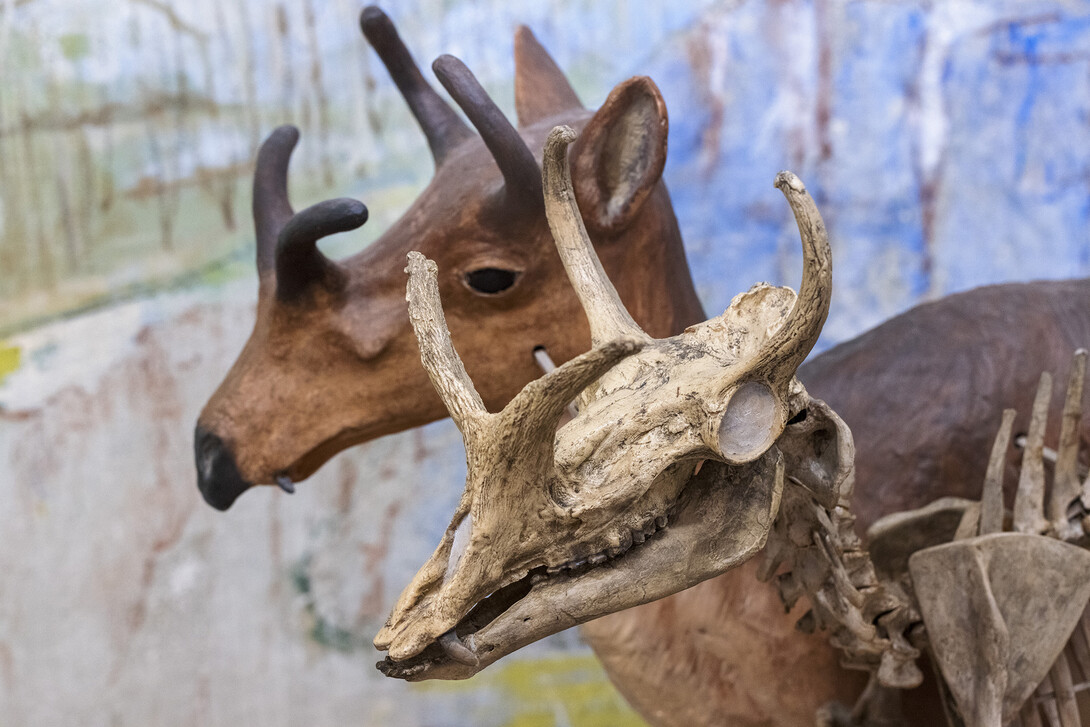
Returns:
(218,477)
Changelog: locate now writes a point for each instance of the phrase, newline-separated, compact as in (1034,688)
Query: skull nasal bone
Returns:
(458,547)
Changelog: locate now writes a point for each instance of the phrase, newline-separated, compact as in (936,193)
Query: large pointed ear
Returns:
(619,156)
(541,89)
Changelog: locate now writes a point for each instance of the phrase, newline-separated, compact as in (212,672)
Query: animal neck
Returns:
(729,640)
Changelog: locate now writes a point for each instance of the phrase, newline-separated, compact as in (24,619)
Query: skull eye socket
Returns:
(750,423)
(798,418)
(490,281)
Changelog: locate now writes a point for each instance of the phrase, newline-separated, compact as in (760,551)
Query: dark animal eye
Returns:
(491,280)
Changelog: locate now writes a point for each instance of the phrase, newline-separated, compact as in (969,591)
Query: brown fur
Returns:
(319,377)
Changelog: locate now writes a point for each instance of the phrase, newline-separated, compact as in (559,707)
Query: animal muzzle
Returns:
(218,477)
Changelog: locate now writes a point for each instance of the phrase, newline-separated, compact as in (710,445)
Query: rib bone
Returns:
(991,502)
(1029,503)
(1065,484)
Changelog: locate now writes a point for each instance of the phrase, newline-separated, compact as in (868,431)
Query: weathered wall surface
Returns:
(947,143)
(124,599)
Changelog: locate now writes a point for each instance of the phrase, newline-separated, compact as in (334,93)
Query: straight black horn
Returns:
(441,125)
(271,207)
(521,174)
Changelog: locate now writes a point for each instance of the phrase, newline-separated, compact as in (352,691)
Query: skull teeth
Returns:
(625,542)
(457,650)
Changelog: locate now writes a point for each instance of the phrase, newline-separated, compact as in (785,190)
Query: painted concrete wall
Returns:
(946,142)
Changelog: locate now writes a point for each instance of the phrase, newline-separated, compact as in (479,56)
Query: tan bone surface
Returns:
(1002,609)
(608,514)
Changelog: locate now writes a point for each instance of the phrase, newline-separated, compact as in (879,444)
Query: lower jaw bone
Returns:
(456,650)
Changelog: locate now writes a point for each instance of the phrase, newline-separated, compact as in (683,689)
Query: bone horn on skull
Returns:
(534,412)
(790,345)
(609,319)
(440,124)
(521,175)
(444,366)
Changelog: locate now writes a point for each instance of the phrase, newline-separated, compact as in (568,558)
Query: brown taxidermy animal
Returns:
(333,361)
(306,385)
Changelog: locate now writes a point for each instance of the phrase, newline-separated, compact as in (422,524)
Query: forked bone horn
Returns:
(300,265)
(440,124)
(521,176)
(535,411)
(794,340)
(437,353)
(609,319)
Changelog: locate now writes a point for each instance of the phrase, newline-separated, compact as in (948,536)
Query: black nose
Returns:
(217,473)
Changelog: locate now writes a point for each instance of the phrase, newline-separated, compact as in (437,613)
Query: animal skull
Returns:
(555,528)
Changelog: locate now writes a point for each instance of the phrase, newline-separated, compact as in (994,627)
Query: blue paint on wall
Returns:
(946,146)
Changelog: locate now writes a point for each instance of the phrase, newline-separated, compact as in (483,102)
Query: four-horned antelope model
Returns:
(307,384)
(333,361)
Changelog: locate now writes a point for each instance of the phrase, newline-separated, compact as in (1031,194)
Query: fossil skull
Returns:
(614,509)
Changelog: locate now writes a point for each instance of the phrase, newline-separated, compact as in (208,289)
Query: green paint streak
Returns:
(552,691)
(75,46)
(334,637)
(10,360)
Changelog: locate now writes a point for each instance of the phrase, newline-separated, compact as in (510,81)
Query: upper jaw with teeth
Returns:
(701,538)
(510,529)
(540,502)
(461,648)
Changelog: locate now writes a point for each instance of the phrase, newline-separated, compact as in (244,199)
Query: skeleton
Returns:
(1002,609)
(611,513)
(531,501)
(332,370)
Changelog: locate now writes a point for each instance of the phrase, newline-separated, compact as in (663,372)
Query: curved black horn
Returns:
(521,174)
(300,265)
(443,128)
(271,207)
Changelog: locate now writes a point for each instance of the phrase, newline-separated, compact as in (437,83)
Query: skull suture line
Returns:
(557,527)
